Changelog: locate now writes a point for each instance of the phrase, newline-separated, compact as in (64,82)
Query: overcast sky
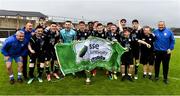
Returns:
(148,12)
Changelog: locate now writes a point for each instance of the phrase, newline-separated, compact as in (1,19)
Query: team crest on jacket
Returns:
(165,34)
(102,35)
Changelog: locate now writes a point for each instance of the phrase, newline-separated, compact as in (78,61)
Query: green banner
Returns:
(89,54)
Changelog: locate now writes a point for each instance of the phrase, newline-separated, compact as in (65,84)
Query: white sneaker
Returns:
(49,77)
(88,81)
(40,80)
(135,77)
(115,76)
(30,81)
(56,75)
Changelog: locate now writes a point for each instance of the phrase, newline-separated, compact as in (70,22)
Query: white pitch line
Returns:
(177,36)
(174,78)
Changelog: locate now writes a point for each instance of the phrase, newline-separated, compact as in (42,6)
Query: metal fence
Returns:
(6,33)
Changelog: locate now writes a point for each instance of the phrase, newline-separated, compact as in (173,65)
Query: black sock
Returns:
(31,71)
(47,70)
(56,68)
(136,69)
(40,71)
(52,66)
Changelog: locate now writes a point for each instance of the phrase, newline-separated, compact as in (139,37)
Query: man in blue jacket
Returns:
(12,48)
(28,32)
(163,45)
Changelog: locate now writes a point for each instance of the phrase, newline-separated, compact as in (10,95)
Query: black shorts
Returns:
(47,56)
(127,58)
(50,55)
(147,58)
(135,53)
(54,55)
(36,57)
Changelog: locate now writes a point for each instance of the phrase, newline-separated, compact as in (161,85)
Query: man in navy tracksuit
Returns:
(163,45)
(28,31)
(12,48)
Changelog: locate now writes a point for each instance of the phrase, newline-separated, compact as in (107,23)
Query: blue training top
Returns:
(13,47)
(68,36)
(164,40)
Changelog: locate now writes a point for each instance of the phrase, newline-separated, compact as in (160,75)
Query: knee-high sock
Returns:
(40,71)
(136,69)
(56,68)
(31,71)
(47,70)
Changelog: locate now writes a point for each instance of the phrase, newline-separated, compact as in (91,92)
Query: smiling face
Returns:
(29,27)
(39,31)
(109,26)
(20,36)
(82,27)
(135,25)
(126,33)
(90,26)
(113,29)
(147,31)
(100,29)
(53,27)
(161,25)
(123,23)
(68,25)
(95,25)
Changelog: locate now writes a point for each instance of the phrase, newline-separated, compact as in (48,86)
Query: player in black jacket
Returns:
(52,37)
(126,41)
(82,33)
(136,33)
(147,54)
(36,53)
(112,35)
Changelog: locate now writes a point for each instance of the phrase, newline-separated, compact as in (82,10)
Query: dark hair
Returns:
(81,22)
(42,18)
(109,23)
(68,21)
(114,25)
(127,29)
(90,22)
(38,27)
(123,20)
(99,24)
(96,21)
(135,20)
(53,23)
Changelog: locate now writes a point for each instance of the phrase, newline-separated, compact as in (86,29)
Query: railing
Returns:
(74,20)
(6,33)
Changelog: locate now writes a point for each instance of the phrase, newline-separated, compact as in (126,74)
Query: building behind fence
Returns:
(10,21)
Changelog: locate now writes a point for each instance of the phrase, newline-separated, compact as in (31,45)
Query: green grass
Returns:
(100,85)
